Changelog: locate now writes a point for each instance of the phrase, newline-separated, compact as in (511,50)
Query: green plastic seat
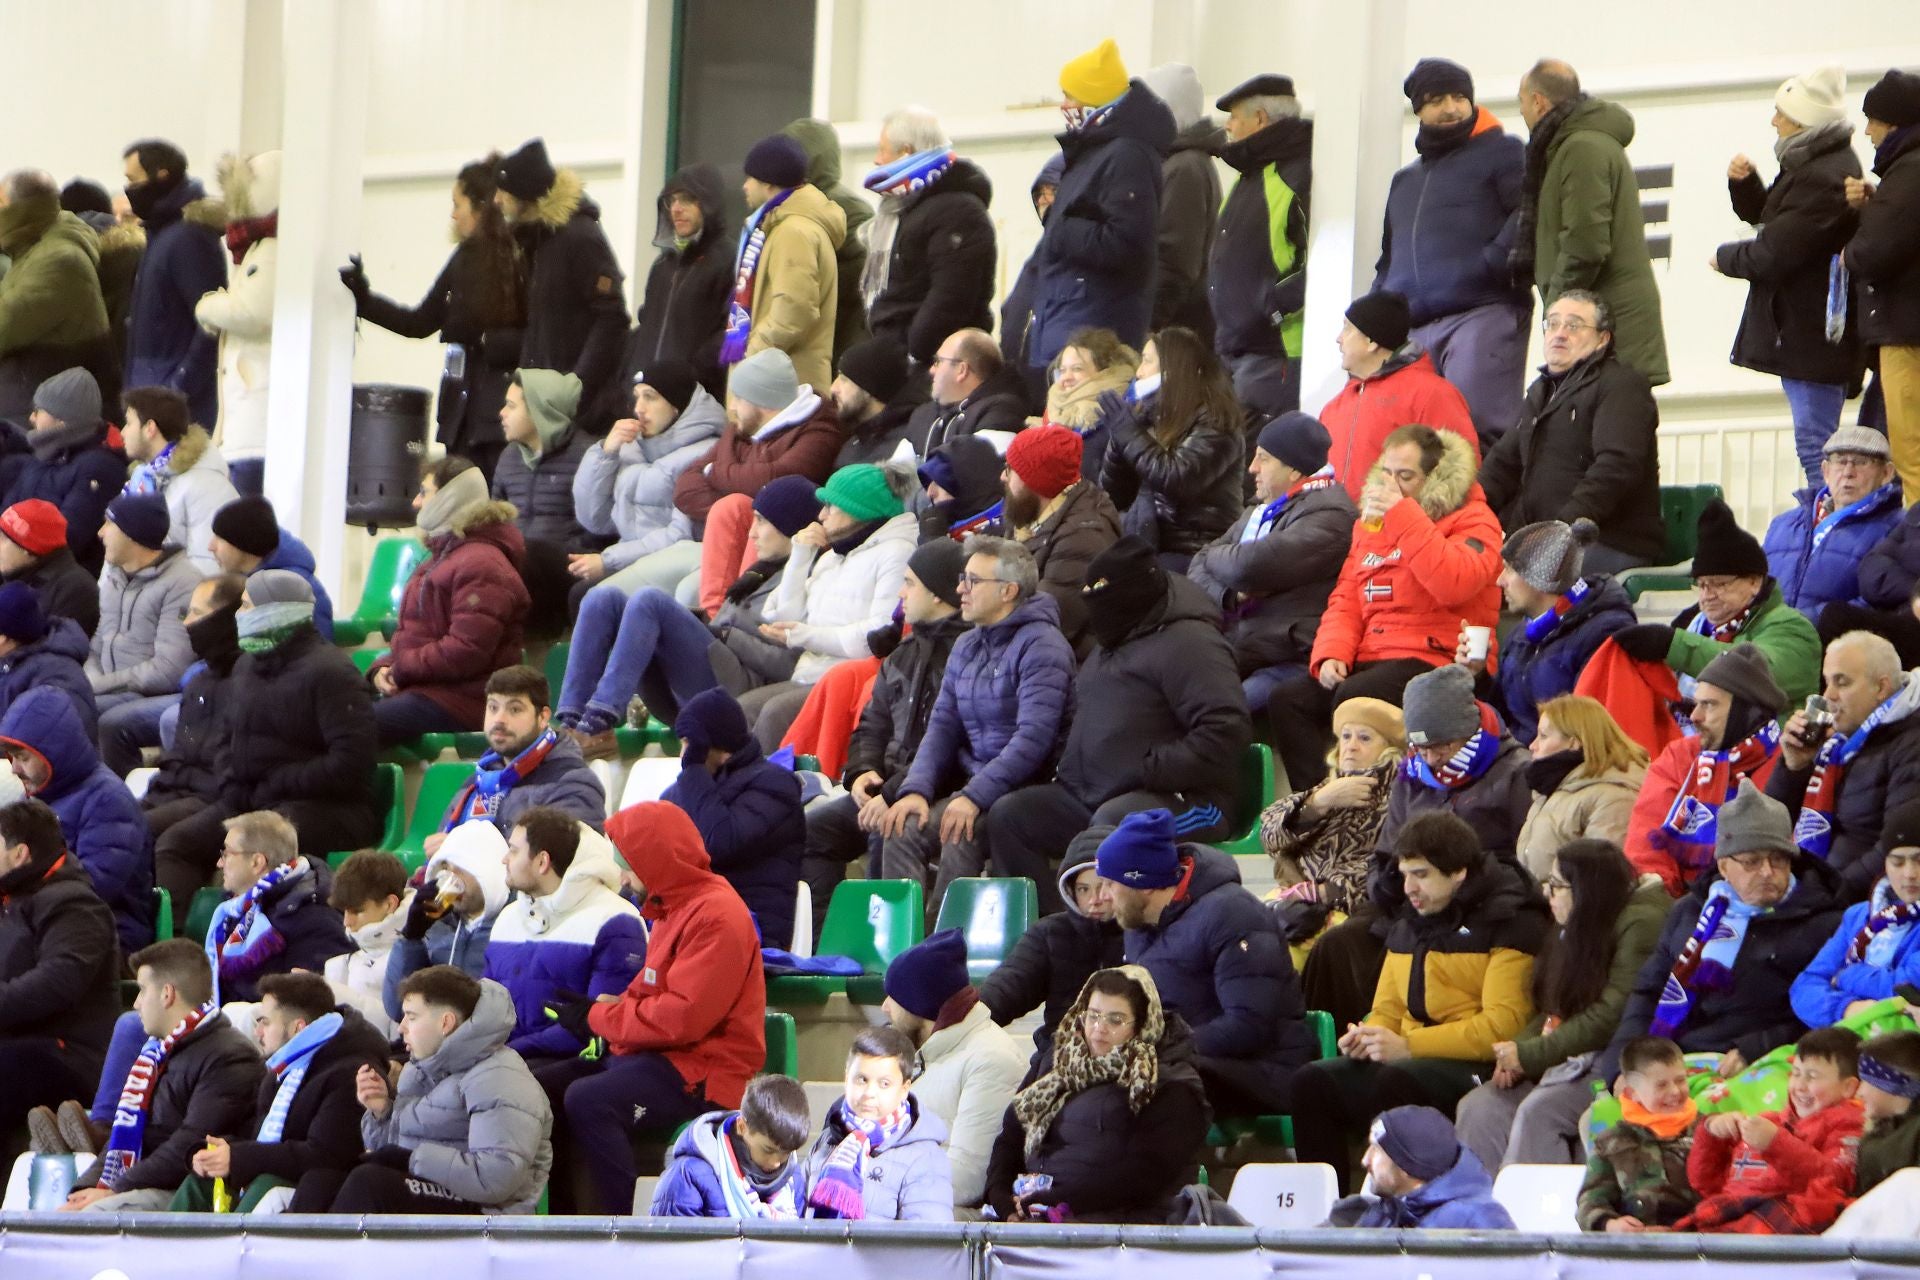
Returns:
(393,562)
(783,1045)
(1252,796)
(162,914)
(467,745)
(441,783)
(390,802)
(1680,508)
(870,921)
(992,914)
(1275,1131)
(200,912)
(634,742)
(365,658)
(557,667)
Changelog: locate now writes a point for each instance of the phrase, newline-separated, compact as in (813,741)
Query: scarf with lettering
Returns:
(1705,963)
(1539,628)
(289,1065)
(1692,820)
(746,265)
(241,939)
(494,776)
(1466,765)
(1813,831)
(1888,920)
(126,1142)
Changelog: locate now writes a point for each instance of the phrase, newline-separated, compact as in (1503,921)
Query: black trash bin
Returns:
(387,440)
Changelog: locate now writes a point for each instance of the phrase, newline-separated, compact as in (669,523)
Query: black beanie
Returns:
(673,380)
(1436,78)
(938,564)
(1297,439)
(83,196)
(527,174)
(1725,548)
(1124,583)
(250,525)
(1382,316)
(877,365)
(1895,100)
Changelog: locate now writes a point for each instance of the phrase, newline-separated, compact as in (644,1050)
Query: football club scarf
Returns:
(146,477)
(1828,517)
(289,1065)
(494,776)
(910,173)
(973,524)
(1705,963)
(746,265)
(1813,831)
(745,1201)
(1693,819)
(241,938)
(1539,628)
(126,1142)
(1728,630)
(1888,919)
(1262,524)
(1466,765)
(837,1194)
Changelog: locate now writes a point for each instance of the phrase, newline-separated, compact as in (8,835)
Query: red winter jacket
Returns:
(737,464)
(1406,391)
(1798,1185)
(1406,586)
(462,615)
(1665,776)
(700,1001)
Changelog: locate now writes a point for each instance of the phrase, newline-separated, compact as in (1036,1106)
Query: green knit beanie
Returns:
(862,492)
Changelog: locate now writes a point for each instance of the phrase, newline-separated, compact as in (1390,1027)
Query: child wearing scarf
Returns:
(880,1154)
(743,1164)
(1637,1175)
(1876,949)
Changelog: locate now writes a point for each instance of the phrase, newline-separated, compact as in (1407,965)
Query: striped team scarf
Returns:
(746,265)
(1813,831)
(1887,919)
(126,1143)
(1463,767)
(1539,628)
(1262,524)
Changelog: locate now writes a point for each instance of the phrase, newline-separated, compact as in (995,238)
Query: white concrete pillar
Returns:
(1352,74)
(323,138)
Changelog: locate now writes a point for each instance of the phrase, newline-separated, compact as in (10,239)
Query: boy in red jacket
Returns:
(690,1030)
(1789,1173)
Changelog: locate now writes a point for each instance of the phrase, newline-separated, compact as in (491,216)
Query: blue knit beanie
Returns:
(21,619)
(787,503)
(1141,853)
(924,977)
(142,517)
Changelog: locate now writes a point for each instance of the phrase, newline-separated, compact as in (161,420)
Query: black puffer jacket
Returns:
(1803,220)
(576,315)
(895,716)
(322,1127)
(300,728)
(193,767)
(1884,254)
(1108,1164)
(1063,545)
(1163,712)
(59,962)
(1051,963)
(1273,589)
(1584,447)
(1189,205)
(940,276)
(1883,775)
(1180,498)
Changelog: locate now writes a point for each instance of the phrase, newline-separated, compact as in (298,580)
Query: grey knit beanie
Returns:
(1547,555)
(1753,822)
(1439,706)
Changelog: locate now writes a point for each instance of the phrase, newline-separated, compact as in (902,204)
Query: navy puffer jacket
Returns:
(1450,221)
(1003,708)
(749,816)
(1888,571)
(1530,673)
(1814,575)
(58,659)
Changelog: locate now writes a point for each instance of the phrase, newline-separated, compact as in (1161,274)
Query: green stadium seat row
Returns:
(1680,508)
(393,562)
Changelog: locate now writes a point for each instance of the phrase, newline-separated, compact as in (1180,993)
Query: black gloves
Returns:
(390,1156)
(570,1009)
(422,914)
(354,276)
(1648,642)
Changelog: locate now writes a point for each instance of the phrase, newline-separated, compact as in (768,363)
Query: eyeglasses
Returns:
(1853,461)
(968,581)
(1111,1021)
(947,360)
(1554,884)
(1752,862)
(1564,324)
(1714,586)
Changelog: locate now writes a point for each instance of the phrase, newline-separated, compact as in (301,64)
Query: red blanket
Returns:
(826,723)
(1638,694)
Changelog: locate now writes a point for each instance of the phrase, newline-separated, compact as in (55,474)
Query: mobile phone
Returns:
(1908,992)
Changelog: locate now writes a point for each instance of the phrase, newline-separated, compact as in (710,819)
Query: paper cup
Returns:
(1479,640)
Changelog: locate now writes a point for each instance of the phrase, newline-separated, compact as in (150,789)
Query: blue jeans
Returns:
(1259,686)
(618,636)
(403,716)
(1816,412)
(249,476)
(129,1037)
(129,722)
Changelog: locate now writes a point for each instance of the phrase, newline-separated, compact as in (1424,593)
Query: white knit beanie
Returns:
(1816,98)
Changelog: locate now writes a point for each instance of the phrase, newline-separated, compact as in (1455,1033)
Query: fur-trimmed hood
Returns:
(250,188)
(566,197)
(482,513)
(1453,483)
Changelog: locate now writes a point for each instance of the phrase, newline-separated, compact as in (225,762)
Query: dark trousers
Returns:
(1335,1101)
(189,834)
(1033,826)
(1898,625)
(374,1188)
(608,1102)
(38,1073)
(1300,713)
(405,716)
(1343,968)
(834,839)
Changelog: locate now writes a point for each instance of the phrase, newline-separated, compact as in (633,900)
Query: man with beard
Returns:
(1061,519)
(873,398)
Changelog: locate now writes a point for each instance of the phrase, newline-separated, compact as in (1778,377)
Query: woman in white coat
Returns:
(242,313)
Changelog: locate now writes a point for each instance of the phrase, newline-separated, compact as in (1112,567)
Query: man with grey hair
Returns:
(1004,705)
(1257,276)
(52,313)
(1159,719)
(1584,447)
(1580,223)
(276,918)
(930,253)
(1841,779)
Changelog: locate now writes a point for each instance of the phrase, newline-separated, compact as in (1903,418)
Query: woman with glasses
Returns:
(1876,949)
(1111,1128)
(1605,924)
(1585,776)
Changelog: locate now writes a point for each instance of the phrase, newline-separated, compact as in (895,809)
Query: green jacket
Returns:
(1633,1174)
(1589,234)
(50,296)
(1589,1030)
(1885,1149)
(1776,628)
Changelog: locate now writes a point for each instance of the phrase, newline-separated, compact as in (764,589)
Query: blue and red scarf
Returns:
(1692,821)
(1706,962)
(1539,628)
(493,777)
(126,1143)
(973,524)
(910,173)
(1262,524)
(837,1193)
(746,265)
(1813,831)
(1465,766)
(1887,919)
(241,939)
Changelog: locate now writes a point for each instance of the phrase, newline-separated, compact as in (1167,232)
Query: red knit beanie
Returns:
(1047,459)
(36,525)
